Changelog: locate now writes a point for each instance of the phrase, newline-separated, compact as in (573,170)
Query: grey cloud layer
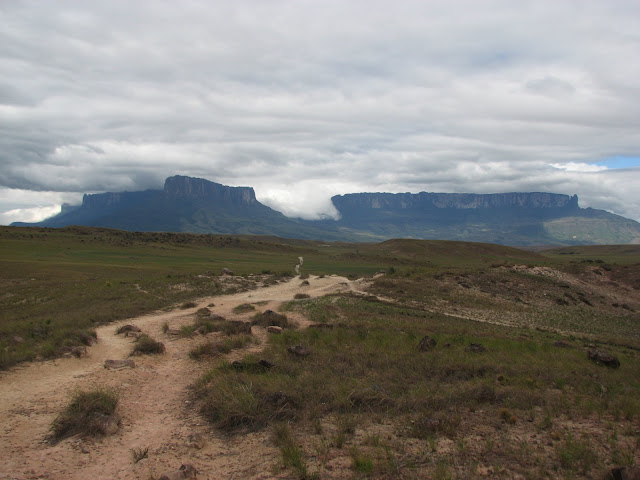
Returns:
(305,99)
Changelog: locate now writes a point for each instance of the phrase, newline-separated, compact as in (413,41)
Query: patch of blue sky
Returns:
(620,161)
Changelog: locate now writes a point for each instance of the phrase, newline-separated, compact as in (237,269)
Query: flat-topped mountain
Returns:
(196,205)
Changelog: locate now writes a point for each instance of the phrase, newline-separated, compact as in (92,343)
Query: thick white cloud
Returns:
(306,99)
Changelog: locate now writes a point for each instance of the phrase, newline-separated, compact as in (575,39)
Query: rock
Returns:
(305,283)
(269,317)
(299,351)
(119,364)
(134,334)
(561,344)
(623,473)
(226,271)
(186,471)
(603,358)
(322,326)
(238,326)
(475,348)
(196,440)
(79,351)
(127,328)
(217,318)
(16,340)
(203,312)
(201,330)
(274,329)
(172,331)
(111,425)
(266,364)
(427,343)
(259,367)
(281,399)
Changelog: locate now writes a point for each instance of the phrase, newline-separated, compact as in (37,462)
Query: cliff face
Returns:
(431,201)
(198,188)
(196,205)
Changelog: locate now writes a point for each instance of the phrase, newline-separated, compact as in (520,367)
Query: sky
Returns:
(302,99)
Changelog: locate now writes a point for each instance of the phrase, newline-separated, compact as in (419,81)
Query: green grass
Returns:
(376,370)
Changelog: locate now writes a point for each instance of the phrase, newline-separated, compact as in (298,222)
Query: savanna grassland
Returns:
(502,387)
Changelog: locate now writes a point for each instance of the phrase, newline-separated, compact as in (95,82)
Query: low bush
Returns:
(89,413)
(145,345)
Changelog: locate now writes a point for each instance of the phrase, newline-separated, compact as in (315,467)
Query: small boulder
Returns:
(427,343)
(305,283)
(16,340)
(127,328)
(79,351)
(226,271)
(186,470)
(274,329)
(269,317)
(561,344)
(196,440)
(475,348)
(603,358)
(299,351)
(203,312)
(630,472)
(237,326)
(322,326)
(119,364)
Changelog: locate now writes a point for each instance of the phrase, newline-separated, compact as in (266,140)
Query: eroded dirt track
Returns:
(153,403)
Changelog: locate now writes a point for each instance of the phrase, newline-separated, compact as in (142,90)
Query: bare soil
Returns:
(154,402)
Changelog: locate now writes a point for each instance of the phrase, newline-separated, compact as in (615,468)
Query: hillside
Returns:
(199,206)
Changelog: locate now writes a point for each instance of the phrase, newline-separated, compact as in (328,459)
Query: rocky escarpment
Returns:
(186,187)
(425,200)
(196,205)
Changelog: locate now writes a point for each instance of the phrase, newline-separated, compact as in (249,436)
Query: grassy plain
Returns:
(531,405)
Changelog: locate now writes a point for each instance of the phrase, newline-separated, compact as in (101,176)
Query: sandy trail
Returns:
(153,402)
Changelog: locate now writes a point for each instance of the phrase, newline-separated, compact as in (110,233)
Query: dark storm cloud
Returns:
(307,99)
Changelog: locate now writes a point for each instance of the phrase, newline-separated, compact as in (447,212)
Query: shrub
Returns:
(243,308)
(90,413)
(147,345)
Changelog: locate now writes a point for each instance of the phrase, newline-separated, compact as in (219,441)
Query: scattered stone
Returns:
(274,329)
(266,364)
(281,399)
(299,351)
(201,330)
(630,472)
(127,328)
(238,326)
(603,358)
(186,471)
(79,351)
(427,343)
(196,440)
(269,317)
(475,348)
(226,271)
(322,326)
(259,367)
(119,364)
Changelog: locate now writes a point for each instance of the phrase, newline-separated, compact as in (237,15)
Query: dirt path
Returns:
(153,402)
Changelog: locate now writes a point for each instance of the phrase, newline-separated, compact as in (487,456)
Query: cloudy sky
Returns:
(303,100)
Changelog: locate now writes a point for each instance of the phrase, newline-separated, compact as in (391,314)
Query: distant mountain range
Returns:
(196,205)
